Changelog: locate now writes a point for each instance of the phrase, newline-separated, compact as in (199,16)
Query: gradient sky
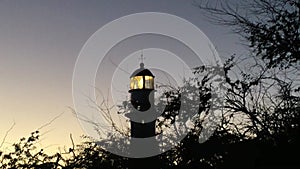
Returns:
(39,44)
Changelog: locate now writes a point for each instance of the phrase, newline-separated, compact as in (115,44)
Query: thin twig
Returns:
(6,134)
(50,122)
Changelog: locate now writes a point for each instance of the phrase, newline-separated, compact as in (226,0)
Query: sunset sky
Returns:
(39,44)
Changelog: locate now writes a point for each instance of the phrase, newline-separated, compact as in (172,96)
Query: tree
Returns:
(259,124)
(271,27)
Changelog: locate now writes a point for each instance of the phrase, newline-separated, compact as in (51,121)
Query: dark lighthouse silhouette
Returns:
(143,115)
(142,99)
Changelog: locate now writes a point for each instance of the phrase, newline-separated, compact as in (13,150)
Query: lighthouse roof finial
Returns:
(142,71)
(142,60)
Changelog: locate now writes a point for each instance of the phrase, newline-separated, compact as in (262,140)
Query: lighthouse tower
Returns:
(142,118)
(142,99)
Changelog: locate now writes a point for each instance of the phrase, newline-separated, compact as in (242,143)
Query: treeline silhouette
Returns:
(259,111)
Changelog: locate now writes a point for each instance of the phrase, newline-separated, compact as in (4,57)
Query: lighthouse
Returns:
(142,118)
(142,99)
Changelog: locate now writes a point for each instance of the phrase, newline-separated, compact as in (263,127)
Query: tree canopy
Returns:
(259,124)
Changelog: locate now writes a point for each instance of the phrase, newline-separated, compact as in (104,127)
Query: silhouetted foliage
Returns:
(270,27)
(259,125)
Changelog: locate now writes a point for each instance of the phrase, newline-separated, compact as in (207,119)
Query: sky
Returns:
(39,44)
